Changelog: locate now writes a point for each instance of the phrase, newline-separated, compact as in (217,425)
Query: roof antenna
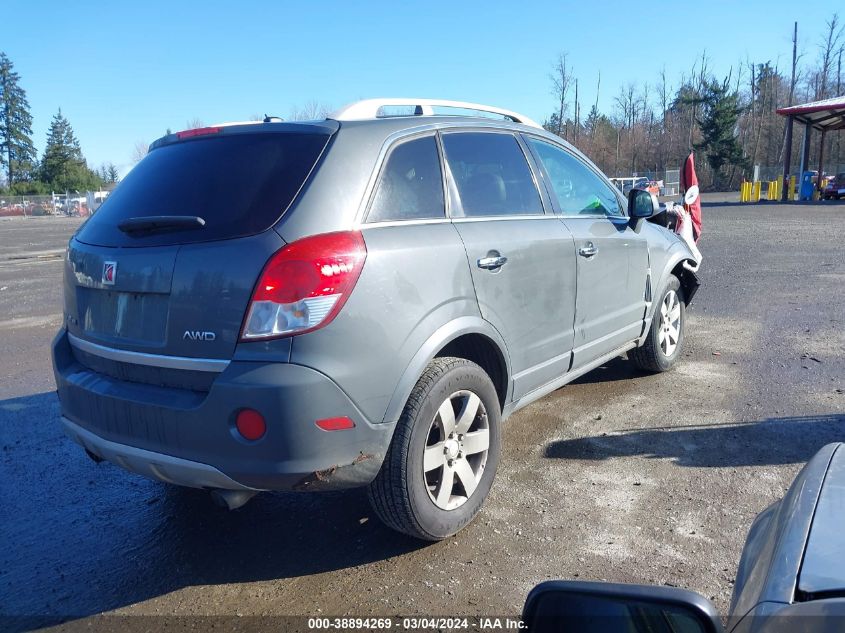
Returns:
(272,119)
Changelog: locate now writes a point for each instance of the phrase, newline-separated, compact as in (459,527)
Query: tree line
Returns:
(62,166)
(730,122)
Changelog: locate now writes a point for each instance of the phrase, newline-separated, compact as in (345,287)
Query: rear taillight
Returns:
(304,285)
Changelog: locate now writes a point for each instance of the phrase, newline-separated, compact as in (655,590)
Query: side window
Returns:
(491,175)
(411,184)
(579,190)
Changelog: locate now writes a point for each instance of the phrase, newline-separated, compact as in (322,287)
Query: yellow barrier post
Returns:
(742,192)
(755,193)
(792,182)
(779,192)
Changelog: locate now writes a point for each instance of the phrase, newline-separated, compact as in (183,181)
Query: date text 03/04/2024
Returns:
(417,623)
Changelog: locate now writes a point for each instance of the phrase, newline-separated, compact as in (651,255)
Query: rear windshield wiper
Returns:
(153,223)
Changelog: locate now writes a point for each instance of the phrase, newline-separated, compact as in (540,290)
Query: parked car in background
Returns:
(625,185)
(653,186)
(358,301)
(791,575)
(835,188)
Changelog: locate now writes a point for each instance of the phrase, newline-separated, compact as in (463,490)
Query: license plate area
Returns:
(131,316)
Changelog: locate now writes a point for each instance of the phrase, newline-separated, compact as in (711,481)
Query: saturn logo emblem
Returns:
(109,272)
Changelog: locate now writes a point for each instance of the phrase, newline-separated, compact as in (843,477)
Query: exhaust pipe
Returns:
(231,499)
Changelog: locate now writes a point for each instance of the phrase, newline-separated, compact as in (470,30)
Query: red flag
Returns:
(692,199)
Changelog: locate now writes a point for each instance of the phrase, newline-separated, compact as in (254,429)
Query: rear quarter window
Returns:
(411,184)
(239,183)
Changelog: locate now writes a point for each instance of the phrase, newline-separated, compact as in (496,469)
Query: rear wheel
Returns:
(665,338)
(444,453)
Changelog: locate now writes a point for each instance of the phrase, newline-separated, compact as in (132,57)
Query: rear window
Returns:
(240,184)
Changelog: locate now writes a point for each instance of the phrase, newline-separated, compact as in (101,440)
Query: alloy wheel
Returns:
(456,450)
(670,323)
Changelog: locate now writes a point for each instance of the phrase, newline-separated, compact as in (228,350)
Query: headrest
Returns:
(484,191)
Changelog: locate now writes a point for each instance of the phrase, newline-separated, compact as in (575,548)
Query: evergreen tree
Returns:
(108,173)
(720,114)
(591,122)
(17,153)
(553,123)
(63,166)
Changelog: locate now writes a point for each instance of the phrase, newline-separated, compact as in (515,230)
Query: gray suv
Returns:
(358,301)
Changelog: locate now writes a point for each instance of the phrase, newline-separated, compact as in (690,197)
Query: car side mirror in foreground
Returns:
(642,204)
(598,607)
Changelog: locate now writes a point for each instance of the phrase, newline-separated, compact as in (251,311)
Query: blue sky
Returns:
(124,72)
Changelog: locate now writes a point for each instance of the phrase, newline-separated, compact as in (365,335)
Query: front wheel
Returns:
(662,346)
(444,453)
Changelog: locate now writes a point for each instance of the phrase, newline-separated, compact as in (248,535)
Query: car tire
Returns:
(665,339)
(433,504)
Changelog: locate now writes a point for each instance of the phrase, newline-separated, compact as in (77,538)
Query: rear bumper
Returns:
(189,438)
(166,468)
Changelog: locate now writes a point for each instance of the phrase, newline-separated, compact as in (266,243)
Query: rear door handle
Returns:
(588,250)
(492,263)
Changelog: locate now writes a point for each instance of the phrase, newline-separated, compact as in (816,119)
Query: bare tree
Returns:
(139,151)
(700,83)
(561,77)
(830,47)
(663,97)
(311,111)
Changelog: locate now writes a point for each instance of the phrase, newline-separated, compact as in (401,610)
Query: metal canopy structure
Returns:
(824,116)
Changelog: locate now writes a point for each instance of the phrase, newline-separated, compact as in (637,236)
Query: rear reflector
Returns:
(304,285)
(250,424)
(198,131)
(336,424)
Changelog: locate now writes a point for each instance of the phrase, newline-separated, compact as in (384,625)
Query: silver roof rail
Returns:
(369,109)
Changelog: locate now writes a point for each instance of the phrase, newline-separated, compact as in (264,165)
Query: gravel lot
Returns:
(620,476)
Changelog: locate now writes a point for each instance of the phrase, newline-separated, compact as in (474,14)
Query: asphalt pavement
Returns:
(621,476)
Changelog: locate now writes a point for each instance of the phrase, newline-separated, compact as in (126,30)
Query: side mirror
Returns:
(641,205)
(598,607)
